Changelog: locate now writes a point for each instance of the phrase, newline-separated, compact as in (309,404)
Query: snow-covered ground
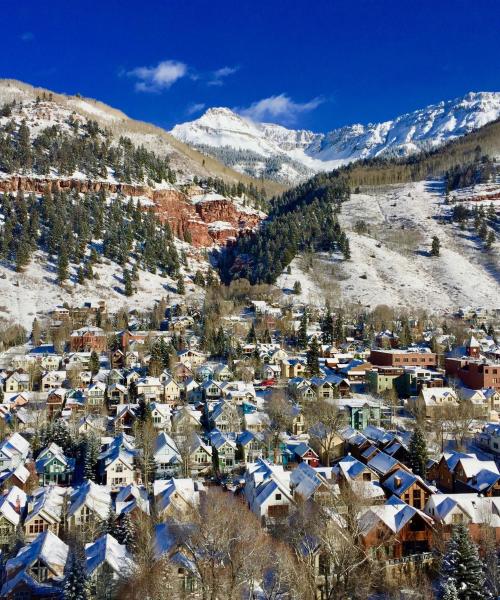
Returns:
(391,265)
(35,291)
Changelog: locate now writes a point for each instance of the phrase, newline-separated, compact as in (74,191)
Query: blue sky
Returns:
(315,64)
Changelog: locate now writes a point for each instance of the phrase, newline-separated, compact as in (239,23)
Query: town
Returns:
(247,448)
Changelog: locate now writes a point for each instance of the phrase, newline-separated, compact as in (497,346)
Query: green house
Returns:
(52,466)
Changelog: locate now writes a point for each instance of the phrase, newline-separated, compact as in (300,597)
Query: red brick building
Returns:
(421,357)
(474,374)
(87,339)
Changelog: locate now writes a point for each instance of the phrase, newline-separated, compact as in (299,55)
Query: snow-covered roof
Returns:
(106,550)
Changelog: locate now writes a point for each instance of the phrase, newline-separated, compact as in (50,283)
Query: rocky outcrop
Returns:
(188,221)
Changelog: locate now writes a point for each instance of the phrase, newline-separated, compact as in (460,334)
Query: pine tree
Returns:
(313,357)
(418,453)
(338,332)
(92,448)
(302,333)
(127,283)
(327,327)
(76,584)
(297,288)
(62,266)
(126,533)
(181,288)
(252,336)
(462,567)
(80,275)
(436,246)
(94,365)
(449,591)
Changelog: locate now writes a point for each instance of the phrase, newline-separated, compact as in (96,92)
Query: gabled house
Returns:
(13,451)
(108,562)
(225,417)
(53,379)
(89,505)
(38,569)
(96,395)
(54,467)
(150,388)
(460,472)
(12,507)
(223,451)
(161,415)
(176,495)
(18,382)
(45,511)
(267,490)
(116,464)
(172,391)
(166,456)
(408,487)
(250,446)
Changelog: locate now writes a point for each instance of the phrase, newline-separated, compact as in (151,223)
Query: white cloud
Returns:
(281,108)
(195,108)
(218,75)
(155,79)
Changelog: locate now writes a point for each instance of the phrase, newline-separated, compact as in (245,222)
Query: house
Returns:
(45,508)
(406,486)
(55,401)
(432,401)
(223,451)
(200,456)
(116,466)
(171,390)
(250,446)
(185,419)
(191,358)
(150,388)
(18,382)
(222,373)
(166,456)
(360,413)
(117,394)
(460,472)
(95,395)
(395,530)
(301,389)
(474,510)
(211,390)
(53,379)
(308,483)
(89,505)
(267,490)
(298,452)
(13,451)
(359,477)
(160,414)
(474,372)
(489,438)
(12,506)
(225,417)
(53,467)
(37,571)
(108,562)
(87,339)
(176,495)
(292,367)
(124,419)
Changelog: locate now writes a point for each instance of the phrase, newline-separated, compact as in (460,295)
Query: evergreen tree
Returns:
(418,453)
(490,240)
(462,567)
(313,357)
(76,584)
(127,283)
(338,332)
(449,591)
(252,335)
(94,365)
(126,532)
(297,288)
(436,246)
(80,275)
(62,266)
(92,448)
(302,333)
(327,327)
(181,288)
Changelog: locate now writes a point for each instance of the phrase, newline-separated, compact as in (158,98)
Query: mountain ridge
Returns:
(423,129)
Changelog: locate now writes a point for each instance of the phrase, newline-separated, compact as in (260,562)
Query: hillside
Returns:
(93,207)
(287,155)
(390,231)
(182,157)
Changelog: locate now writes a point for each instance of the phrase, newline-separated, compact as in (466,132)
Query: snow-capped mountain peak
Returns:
(271,150)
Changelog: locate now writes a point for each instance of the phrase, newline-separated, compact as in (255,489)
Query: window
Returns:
(457,518)
(119,468)
(37,526)
(367,477)
(277,496)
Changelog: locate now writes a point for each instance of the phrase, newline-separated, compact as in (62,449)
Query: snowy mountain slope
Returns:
(390,263)
(405,135)
(182,157)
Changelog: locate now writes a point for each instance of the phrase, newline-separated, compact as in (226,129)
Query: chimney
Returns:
(17,506)
(397,481)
